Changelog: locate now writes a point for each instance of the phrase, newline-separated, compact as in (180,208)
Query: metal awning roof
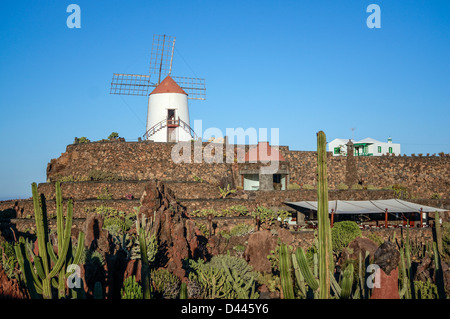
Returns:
(367,206)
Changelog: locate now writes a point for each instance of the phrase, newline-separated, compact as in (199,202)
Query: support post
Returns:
(386,218)
(421,218)
(332,217)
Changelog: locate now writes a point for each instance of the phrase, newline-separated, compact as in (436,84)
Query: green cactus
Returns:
(409,269)
(404,291)
(438,230)
(347,282)
(145,272)
(183,291)
(286,272)
(305,270)
(299,277)
(148,248)
(42,276)
(324,238)
(439,277)
(131,289)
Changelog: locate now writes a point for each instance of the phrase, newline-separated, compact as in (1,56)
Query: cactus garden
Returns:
(159,252)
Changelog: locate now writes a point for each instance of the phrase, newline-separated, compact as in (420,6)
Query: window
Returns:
(379,149)
(337,150)
(390,150)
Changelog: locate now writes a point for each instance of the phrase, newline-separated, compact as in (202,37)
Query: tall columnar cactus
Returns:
(301,284)
(42,276)
(324,238)
(183,291)
(347,282)
(438,230)
(404,291)
(305,270)
(409,269)
(286,272)
(145,272)
(439,277)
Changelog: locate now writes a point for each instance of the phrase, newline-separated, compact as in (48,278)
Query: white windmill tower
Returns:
(168,110)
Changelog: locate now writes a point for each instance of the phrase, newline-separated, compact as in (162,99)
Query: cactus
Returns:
(405,291)
(347,282)
(438,230)
(183,291)
(439,277)
(323,218)
(42,276)
(285,272)
(148,247)
(131,289)
(299,277)
(243,289)
(409,269)
(305,270)
(145,272)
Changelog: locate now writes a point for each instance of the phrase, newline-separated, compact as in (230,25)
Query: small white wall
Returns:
(338,142)
(372,148)
(158,104)
(384,148)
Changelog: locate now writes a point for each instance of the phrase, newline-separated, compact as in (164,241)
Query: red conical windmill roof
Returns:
(168,85)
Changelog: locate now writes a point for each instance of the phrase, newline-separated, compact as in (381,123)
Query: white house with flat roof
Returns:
(364,147)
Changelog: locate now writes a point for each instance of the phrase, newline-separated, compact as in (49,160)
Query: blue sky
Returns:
(300,66)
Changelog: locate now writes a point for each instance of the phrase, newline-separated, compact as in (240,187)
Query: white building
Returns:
(364,147)
(168,113)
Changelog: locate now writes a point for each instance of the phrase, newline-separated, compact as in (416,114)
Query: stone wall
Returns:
(123,189)
(131,161)
(423,176)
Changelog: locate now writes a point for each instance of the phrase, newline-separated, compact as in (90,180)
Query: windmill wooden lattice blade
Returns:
(130,84)
(194,87)
(162,55)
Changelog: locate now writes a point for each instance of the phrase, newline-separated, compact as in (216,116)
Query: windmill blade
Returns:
(130,84)
(194,87)
(162,55)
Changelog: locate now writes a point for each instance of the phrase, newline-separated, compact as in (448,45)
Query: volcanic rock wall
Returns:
(423,176)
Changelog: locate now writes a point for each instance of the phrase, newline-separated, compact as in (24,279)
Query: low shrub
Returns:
(375,238)
(293,186)
(167,285)
(342,234)
(242,230)
(342,186)
(113,136)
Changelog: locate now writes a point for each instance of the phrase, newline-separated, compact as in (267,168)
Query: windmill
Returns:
(168,112)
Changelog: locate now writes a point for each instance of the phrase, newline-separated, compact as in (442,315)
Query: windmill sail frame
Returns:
(161,60)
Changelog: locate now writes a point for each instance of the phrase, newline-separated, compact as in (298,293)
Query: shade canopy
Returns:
(367,206)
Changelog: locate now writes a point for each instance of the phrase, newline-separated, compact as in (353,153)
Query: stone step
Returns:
(126,189)
(81,208)
(217,204)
